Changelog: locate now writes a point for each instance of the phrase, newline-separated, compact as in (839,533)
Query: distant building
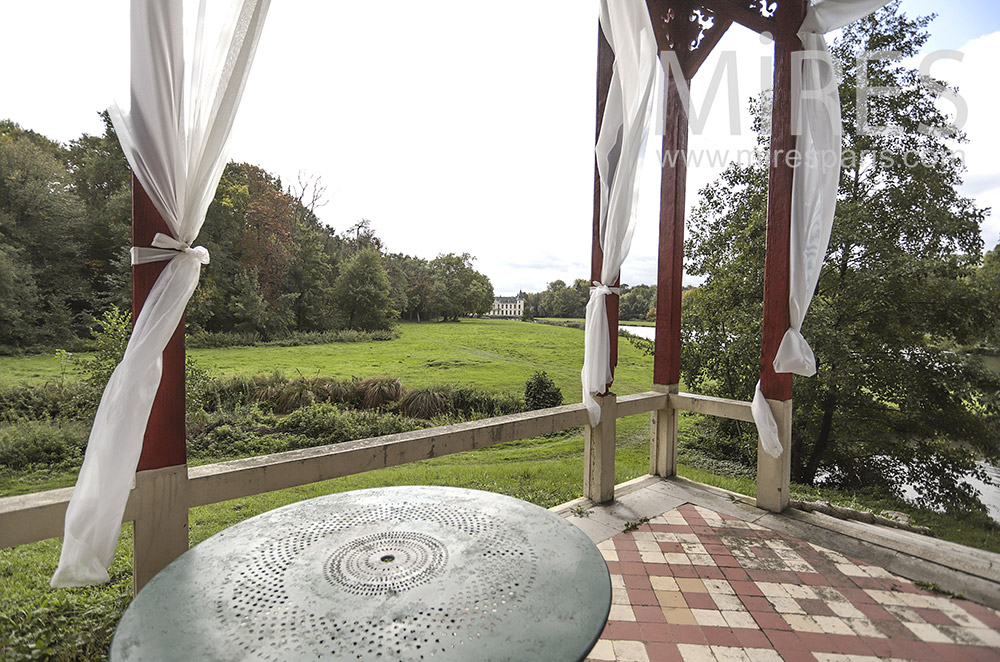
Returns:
(509,307)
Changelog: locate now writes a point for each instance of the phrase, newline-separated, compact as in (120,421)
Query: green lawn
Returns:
(492,354)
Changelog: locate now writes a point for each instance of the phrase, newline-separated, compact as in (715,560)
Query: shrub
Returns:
(376,392)
(469,402)
(42,444)
(72,400)
(325,424)
(426,403)
(540,392)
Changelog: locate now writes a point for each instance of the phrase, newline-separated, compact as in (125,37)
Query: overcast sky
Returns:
(454,126)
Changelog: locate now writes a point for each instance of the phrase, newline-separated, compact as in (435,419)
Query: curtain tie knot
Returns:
(601,288)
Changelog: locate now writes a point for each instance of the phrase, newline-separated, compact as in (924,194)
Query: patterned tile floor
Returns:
(696,585)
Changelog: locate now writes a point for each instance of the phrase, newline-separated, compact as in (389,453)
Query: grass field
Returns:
(492,354)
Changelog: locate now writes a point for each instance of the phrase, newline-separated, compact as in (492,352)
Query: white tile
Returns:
(845,609)
(664,583)
(661,536)
(833,625)
(785,605)
(687,537)
(642,536)
(720,586)
(617,581)
(884,597)
(740,619)
(701,559)
(963,617)
(729,654)
(878,573)
(652,557)
(850,570)
(798,591)
(864,628)
(770,589)
(647,545)
(728,602)
(619,596)
(603,651)
(609,554)
(709,617)
(630,651)
(802,623)
(695,653)
(987,636)
(915,600)
(606,544)
(677,557)
(905,614)
(693,548)
(621,612)
(927,632)
(763,655)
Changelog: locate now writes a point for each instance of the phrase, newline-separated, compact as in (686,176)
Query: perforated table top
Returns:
(397,573)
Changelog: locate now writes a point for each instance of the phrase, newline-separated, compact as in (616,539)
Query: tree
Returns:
(893,402)
(362,293)
(460,289)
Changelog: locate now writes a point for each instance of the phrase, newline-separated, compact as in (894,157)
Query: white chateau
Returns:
(509,307)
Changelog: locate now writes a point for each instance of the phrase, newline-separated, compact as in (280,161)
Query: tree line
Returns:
(636,303)
(276,268)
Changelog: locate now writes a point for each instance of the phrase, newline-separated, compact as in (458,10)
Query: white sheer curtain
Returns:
(814,189)
(620,148)
(185,89)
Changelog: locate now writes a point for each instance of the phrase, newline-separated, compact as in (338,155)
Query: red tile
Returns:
(880,647)
(614,568)
(700,601)
(764,552)
(678,528)
(735,573)
(642,598)
(811,579)
(914,650)
(783,640)
(935,616)
(626,556)
(849,644)
(663,652)
(622,630)
(751,639)
(648,614)
(909,587)
(725,561)
(632,569)
(701,529)
(655,631)
(818,642)
(709,572)
(813,607)
(638,582)
(857,596)
(874,612)
(953,653)
(770,621)
(746,588)
(989,619)
(868,582)
(797,656)
(983,654)
(754,603)
(687,634)
(711,540)
(714,549)
(659,570)
(719,636)
(682,570)
(768,576)
(624,542)
(671,547)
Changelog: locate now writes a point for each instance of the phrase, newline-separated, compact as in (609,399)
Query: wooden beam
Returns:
(164,444)
(670,260)
(779,202)
(605,67)
(697,57)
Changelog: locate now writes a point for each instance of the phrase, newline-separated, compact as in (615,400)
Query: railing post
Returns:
(599,453)
(161,523)
(663,437)
(774,473)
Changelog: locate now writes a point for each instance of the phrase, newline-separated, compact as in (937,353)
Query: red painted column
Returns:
(779,202)
(605,66)
(670,261)
(164,444)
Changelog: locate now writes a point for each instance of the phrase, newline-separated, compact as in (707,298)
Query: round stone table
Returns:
(396,573)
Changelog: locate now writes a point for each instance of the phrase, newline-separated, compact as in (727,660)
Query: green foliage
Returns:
(376,392)
(362,293)
(110,335)
(892,403)
(32,445)
(460,290)
(325,423)
(426,403)
(540,392)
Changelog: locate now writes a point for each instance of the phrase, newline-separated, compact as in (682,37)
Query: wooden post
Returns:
(663,437)
(161,527)
(599,453)
(772,484)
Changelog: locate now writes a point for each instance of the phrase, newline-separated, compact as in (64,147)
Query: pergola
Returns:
(164,155)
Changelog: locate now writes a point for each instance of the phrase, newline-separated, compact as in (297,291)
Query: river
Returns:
(989,494)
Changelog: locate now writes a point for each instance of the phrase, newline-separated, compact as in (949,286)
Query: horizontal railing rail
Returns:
(32,517)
